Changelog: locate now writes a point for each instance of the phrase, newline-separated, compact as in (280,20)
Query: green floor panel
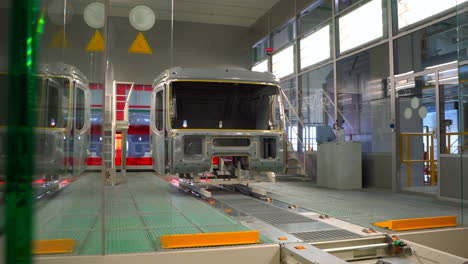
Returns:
(119,242)
(81,209)
(128,242)
(212,218)
(224,228)
(123,222)
(121,210)
(69,222)
(137,212)
(156,208)
(92,245)
(165,220)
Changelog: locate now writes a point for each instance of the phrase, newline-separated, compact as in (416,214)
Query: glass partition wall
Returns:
(68,200)
(393,80)
(97,62)
(461,138)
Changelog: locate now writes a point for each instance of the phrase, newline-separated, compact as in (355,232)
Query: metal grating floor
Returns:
(279,217)
(325,235)
(302,227)
(361,207)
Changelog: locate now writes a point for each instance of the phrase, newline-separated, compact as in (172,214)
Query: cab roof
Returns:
(215,74)
(63,70)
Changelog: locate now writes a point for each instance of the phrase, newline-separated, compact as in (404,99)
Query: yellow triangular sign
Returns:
(140,45)
(60,40)
(96,43)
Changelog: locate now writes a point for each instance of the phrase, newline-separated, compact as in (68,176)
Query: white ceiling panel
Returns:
(226,12)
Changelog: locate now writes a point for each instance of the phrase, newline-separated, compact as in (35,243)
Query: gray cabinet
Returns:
(339,165)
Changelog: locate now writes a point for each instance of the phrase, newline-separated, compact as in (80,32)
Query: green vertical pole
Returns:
(24,32)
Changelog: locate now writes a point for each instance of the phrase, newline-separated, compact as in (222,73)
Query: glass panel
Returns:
(343,4)
(409,11)
(427,48)
(368,16)
(67,203)
(317,103)
(462,37)
(259,50)
(315,14)
(290,89)
(315,47)
(283,62)
(261,67)
(418,123)
(284,35)
(364,99)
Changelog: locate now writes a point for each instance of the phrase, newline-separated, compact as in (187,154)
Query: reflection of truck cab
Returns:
(61,132)
(233,116)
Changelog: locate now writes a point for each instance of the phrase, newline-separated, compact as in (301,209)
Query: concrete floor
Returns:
(362,207)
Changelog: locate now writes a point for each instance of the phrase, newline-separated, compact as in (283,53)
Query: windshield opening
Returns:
(214,105)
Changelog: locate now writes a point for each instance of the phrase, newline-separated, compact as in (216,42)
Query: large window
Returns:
(261,67)
(364,98)
(315,14)
(413,11)
(284,35)
(428,47)
(283,62)
(361,25)
(315,47)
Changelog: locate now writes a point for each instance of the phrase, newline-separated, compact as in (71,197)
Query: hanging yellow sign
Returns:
(140,45)
(60,41)
(96,43)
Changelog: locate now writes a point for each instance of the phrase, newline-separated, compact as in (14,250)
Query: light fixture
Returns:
(94,15)
(142,18)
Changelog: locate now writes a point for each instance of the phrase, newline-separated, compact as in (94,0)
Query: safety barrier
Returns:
(428,160)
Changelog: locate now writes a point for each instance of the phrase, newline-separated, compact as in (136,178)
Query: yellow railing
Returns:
(428,160)
(461,147)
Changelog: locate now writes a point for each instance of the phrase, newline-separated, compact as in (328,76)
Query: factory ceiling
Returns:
(225,12)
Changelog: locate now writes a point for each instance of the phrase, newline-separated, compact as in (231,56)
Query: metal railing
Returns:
(461,147)
(428,159)
(292,129)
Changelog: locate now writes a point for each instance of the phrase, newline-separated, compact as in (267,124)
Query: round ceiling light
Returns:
(142,18)
(94,15)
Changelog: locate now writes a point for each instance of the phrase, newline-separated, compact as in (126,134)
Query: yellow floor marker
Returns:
(418,223)
(210,239)
(54,246)
(140,45)
(96,43)
(60,40)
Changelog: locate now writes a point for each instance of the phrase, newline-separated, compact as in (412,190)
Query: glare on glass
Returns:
(315,47)
(361,25)
(283,62)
